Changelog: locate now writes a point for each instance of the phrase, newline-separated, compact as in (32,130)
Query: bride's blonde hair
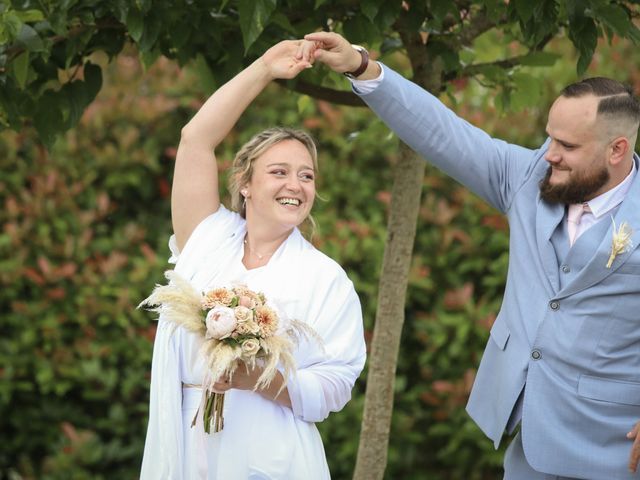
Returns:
(242,168)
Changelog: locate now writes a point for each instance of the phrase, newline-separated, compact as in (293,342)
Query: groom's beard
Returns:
(576,189)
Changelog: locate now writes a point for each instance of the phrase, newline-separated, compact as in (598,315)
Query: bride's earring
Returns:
(244,201)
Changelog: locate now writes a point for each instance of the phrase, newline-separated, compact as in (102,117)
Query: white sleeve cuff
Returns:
(362,87)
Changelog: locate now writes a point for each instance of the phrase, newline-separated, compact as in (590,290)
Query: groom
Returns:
(563,359)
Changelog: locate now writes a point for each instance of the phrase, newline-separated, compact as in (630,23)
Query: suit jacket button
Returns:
(554,305)
(536,355)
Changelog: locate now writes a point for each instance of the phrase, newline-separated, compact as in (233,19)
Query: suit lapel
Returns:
(547,219)
(596,270)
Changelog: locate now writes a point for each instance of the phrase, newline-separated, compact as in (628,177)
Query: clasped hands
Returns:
(288,58)
(243,378)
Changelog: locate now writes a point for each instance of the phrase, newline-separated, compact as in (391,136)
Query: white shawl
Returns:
(310,287)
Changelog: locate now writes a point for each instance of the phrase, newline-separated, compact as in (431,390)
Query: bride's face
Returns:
(282,187)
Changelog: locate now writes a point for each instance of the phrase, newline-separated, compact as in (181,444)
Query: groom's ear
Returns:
(618,149)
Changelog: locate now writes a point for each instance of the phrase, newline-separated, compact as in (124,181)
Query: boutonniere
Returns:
(621,241)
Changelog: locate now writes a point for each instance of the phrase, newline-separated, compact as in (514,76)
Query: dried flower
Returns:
(217,296)
(267,320)
(621,241)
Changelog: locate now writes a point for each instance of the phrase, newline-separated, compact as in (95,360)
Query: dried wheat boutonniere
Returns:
(621,241)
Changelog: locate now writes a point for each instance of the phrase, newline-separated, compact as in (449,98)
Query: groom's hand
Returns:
(634,458)
(337,53)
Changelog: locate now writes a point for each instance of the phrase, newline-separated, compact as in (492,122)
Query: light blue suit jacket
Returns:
(568,328)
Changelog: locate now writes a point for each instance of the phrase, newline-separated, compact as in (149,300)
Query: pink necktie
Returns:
(573,217)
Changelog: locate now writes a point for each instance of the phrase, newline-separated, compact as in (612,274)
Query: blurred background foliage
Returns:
(84,238)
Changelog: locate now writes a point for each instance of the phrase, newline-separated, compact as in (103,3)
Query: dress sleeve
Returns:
(326,376)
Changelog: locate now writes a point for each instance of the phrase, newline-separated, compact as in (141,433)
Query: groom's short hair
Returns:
(616,99)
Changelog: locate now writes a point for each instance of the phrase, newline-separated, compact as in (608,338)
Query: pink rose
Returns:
(245,301)
(220,322)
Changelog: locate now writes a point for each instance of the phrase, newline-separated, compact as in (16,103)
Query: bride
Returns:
(268,433)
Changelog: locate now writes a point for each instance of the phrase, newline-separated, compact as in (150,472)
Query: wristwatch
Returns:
(363,64)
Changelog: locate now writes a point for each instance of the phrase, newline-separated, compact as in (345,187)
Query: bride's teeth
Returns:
(289,201)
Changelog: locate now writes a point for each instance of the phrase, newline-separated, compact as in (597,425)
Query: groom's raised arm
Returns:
(490,167)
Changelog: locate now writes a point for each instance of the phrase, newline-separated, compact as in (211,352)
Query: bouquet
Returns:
(236,325)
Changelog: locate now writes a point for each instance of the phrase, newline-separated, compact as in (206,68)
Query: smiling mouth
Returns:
(289,201)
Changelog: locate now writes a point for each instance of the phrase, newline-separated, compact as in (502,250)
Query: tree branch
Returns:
(478,25)
(506,63)
(339,97)
(476,68)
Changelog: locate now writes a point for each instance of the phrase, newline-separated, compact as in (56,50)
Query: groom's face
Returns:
(577,153)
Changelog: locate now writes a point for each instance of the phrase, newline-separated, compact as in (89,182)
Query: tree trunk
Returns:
(378,406)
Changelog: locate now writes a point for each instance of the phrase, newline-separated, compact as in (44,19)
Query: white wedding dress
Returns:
(260,439)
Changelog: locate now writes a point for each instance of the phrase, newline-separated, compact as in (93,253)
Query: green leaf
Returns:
(48,117)
(441,8)
(254,16)
(283,22)
(21,68)
(584,35)
(151,32)
(75,101)
(30,15)
(135,24)
(319,3)
(30,39)
(93,79)
(387,15)
(524,8)
(614,17)
(149,57)
(494,73)
(370,8)
(360,30)
(540,59)
(12,24)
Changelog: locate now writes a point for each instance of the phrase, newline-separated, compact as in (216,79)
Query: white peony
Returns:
(220,322)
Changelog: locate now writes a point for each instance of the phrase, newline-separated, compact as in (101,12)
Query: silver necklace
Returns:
(260,257)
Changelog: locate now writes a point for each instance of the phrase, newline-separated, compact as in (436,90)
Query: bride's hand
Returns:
(288,58)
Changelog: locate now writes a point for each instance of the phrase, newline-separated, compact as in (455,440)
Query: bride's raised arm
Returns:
(195,193)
